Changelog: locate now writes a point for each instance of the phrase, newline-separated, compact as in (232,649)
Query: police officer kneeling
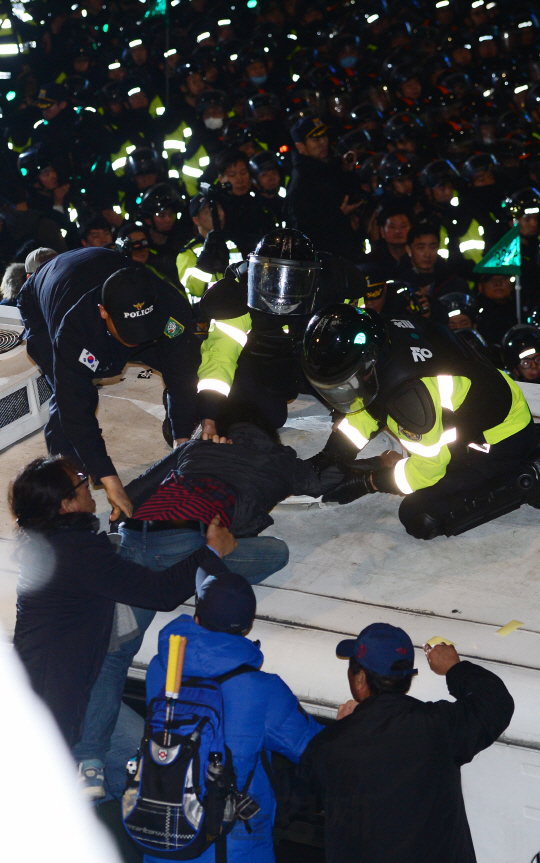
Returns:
(86,316)
(465,424)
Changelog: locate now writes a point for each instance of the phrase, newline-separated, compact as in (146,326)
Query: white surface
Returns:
(43,814)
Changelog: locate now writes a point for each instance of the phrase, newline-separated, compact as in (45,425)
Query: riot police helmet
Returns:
(478,164)
(520,344)
(403,125)
(283,274)
(437,173)
(143,160)
(525,202)
(33,160)
(160,197)
(396,165)
(341,347)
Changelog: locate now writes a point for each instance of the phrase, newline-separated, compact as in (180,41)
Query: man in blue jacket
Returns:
(261,713)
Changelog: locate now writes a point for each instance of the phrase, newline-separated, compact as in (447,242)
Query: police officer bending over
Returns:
(259,313)
(86,316)
(465,424)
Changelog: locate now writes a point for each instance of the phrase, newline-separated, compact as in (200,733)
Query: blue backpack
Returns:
(181,795)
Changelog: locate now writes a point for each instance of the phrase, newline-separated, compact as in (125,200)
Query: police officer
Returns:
(524,207)
(521,352)
(462,421)
(163,209)
(259,312)
(205,258)
(87,313)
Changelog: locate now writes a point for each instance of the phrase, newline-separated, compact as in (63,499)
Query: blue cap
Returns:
(225,602)
(377,647)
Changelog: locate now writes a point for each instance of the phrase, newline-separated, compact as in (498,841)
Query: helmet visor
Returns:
(351,395)
(282,287)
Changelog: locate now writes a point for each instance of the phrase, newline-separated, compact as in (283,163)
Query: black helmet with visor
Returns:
(341,347)
(283,274)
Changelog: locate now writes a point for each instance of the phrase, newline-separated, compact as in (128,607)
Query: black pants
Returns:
(422,512)
(270,389)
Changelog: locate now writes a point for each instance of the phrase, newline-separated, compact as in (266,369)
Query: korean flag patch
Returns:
(88,359)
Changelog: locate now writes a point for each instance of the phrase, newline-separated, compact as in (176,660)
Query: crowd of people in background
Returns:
(403,138)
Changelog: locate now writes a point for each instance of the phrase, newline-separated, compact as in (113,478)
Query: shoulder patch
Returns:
(173,328)
(89,360)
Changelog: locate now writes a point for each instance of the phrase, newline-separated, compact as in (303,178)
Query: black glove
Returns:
(321,461)
(214,257)
(356,484)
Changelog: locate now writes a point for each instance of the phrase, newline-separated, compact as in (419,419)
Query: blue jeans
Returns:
(255,558)
(125,741)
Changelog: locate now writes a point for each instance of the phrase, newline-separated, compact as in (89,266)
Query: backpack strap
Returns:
(236,672)
(281,817)
(221,850)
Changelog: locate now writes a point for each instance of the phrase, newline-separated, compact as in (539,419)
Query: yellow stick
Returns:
(180,666)
(172,664)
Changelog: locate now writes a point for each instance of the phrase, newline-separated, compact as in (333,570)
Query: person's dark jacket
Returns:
(247,220)
(389,774)
(69,583)
(493,319)
(260,472)
(443,278)
(59,307)
(314,197)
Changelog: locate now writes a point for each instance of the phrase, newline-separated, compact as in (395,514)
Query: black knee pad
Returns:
(423,526)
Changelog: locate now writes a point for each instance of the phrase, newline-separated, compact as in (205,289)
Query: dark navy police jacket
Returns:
(59,307)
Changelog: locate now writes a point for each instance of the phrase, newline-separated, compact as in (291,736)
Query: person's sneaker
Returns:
(92,779)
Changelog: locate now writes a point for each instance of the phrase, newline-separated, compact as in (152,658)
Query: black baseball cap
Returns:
(131,297)
(225,602)
(308,127)
(197,203)
(378,647)
(49,94)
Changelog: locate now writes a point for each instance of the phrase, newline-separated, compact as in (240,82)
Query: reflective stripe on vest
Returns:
(356,437)
(214,385)
(233,332)
(400,478)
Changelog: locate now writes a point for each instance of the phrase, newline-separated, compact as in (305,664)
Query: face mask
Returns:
(348,62)
(213,122)
(259,81)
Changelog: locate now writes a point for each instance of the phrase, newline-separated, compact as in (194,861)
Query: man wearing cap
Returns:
(87,315)
(205,258)
(35,259)
(388,771)
(261,713)
(58,126)
(317,202)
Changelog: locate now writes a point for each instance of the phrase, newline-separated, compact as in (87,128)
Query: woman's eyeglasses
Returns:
(83,480)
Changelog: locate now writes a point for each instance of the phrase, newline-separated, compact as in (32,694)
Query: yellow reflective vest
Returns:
(429,453)
(194,280)
(220,352)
